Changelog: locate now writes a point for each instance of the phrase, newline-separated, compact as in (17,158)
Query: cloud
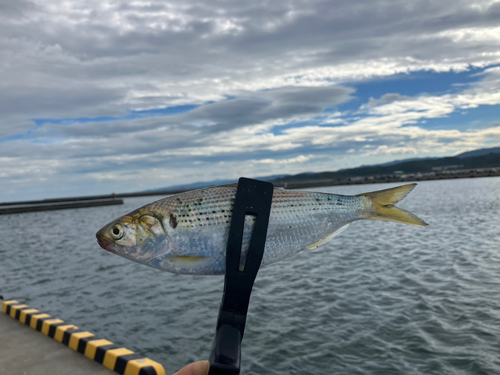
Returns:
(386,99)
(256,108)
(279,104)
(297,159)
(161,151)
(252,130)
(266,77)
(156,54)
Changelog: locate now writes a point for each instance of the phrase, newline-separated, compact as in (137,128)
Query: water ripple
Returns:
(381,298)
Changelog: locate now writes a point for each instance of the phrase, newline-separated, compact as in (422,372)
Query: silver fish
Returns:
(187,233)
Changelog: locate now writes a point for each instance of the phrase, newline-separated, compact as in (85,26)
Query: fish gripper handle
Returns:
(253,198)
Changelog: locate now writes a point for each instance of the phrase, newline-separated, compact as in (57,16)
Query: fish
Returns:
(187,233)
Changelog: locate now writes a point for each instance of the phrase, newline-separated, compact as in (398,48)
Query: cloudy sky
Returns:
(102,96)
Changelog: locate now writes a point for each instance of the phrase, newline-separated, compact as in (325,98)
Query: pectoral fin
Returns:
(173,263)
(187,261)
(186,258)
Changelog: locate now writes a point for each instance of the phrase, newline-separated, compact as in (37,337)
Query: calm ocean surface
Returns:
(382,298)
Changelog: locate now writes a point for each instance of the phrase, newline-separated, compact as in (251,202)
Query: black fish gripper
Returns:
(254,198)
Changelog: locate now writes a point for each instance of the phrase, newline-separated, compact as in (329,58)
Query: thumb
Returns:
(195,368)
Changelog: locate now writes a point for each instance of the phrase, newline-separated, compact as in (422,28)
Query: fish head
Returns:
(139,236)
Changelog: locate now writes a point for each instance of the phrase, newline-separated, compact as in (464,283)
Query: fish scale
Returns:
(297,220)
(188,232)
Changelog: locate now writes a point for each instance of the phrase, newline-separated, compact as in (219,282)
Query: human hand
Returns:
(195,368)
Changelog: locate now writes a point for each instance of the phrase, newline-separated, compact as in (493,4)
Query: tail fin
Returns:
(383,202)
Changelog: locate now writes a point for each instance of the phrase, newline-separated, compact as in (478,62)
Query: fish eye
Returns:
(117,231)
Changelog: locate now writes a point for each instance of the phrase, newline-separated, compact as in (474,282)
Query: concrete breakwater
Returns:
(93,197)
(76,202)
(21,207)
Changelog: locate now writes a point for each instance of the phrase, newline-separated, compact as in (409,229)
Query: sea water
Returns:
(382,298)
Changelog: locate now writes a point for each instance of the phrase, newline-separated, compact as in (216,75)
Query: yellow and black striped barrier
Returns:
(114,357)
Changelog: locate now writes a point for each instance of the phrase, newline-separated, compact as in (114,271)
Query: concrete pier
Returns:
(35,343)
(25,351)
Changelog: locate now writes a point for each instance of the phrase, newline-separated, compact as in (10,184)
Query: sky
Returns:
(119,96)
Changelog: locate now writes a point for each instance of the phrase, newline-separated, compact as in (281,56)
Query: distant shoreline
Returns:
(442,175)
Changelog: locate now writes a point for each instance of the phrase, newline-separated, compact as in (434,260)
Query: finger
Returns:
(195,368)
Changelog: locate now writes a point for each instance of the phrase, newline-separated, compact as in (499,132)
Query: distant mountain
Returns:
(272,177)
(485,158)
(400,161)
(481,152)
(195,185)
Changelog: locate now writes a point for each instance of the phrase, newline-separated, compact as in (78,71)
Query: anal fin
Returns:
(327,238)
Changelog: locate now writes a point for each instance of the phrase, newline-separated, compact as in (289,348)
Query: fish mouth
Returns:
(105,242)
